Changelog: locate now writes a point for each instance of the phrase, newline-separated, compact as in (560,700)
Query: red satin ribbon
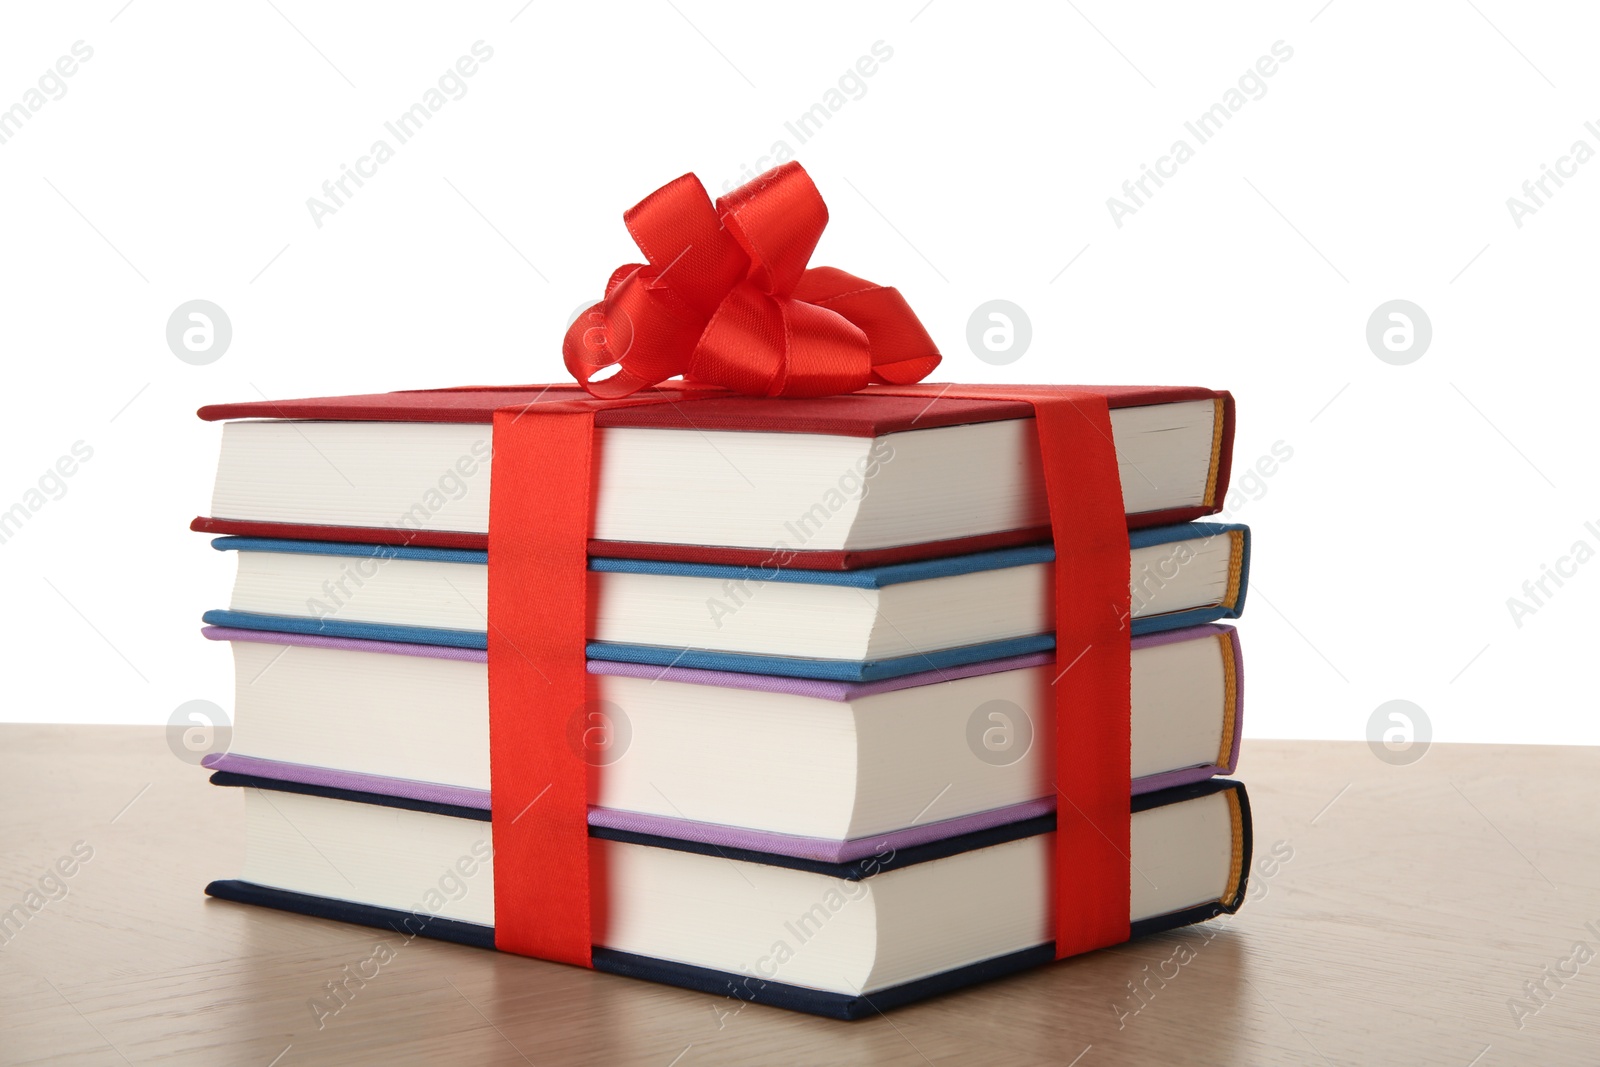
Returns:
(540,788)
(1093,782)
(538,623)
(727,299)
(539,701)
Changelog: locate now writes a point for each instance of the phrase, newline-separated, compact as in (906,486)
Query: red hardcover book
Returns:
(867,478)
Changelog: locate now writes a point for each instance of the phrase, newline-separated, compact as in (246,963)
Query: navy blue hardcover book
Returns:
(844,940)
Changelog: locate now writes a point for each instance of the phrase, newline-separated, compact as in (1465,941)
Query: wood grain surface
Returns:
(1410,910)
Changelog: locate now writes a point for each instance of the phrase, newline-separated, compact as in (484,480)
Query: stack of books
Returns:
(822,662)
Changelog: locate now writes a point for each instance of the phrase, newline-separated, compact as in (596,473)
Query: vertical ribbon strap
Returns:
(538,622)
(1092,679)
(1093,673)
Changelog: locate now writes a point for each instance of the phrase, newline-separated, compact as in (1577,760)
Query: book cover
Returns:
(1229,606)
(868,413)
(751,987)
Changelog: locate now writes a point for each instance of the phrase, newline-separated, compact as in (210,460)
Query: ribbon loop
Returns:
(726,298)
(729,352)
(777,220)
(902,351)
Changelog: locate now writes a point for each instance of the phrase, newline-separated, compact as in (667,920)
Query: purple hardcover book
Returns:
(933,712)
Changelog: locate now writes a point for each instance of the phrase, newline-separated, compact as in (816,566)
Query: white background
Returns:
(976,165)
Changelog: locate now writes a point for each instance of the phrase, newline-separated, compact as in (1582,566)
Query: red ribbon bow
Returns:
(727,299)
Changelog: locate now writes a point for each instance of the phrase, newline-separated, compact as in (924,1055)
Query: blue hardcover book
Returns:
(861,625)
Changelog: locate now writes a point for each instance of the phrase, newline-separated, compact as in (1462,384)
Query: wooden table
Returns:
(1414,905)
